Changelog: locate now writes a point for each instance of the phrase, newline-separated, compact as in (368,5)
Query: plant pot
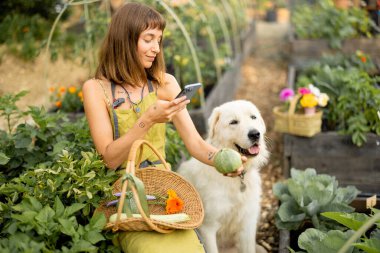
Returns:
(283,15)
(271,15)
(342,4)
(310,110)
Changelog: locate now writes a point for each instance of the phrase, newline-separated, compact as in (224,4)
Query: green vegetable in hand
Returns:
(227,160)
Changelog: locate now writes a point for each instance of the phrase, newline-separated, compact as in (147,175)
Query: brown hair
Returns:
(118,59)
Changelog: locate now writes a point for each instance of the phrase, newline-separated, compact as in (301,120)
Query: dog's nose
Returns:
(253,135)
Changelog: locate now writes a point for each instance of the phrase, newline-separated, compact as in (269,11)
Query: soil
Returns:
(36,77)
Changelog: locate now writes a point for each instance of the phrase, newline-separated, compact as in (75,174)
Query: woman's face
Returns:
(148,46)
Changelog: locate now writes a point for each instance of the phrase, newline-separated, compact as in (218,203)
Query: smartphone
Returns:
(189,90)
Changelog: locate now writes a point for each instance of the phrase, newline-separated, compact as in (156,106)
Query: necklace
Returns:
(135,106)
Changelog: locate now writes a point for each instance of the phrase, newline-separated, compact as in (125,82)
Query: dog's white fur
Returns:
(231,215)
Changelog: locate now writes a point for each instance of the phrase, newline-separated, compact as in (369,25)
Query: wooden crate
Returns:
(305,50)
(336,155)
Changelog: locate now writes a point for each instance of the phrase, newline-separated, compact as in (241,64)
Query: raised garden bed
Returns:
(304,50)
(306,198)
(334,154)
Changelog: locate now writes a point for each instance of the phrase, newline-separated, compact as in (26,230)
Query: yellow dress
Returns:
(184,241)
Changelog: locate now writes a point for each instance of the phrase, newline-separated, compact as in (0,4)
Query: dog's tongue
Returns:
(254,150)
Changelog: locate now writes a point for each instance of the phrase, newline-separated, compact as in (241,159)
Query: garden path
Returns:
(264,74)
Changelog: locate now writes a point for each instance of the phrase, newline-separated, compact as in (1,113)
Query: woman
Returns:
(131,98)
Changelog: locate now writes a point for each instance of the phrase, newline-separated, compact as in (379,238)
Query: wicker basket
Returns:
(156,181)
(297,124)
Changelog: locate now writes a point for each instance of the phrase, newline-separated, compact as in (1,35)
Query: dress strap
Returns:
(104,91)
(150,86)
(114,116)
(113,88)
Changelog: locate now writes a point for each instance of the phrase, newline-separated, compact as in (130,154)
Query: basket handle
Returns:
(293,103)
(130,172)
(139,207)
(138,145)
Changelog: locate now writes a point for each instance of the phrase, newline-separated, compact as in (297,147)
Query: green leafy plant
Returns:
(49,207)
(306,195)
(45,8)
(354,98)
(51,181)
(355,224)
(24,145)
(323,21)
(359,60)
(36,227)
(25,25)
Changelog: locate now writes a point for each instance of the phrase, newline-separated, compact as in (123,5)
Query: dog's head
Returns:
(239,125)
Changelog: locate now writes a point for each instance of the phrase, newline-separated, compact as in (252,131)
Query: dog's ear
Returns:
(212,121)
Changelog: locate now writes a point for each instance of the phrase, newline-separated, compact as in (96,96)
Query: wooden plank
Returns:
(335,155)
(332,144)
(305,50)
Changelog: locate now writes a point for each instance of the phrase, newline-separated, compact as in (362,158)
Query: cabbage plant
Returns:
(306,195)
(352,238)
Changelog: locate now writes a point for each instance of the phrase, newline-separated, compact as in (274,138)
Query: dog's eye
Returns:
(234,122)
(253,117)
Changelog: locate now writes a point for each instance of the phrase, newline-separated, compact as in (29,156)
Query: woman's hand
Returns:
(162,111)
(239,171)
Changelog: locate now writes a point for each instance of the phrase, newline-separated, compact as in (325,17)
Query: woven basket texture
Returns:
(157,181)
(297,123)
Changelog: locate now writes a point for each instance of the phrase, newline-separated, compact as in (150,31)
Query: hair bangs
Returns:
(154,20)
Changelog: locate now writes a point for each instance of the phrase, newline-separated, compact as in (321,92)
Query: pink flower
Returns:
(304,91)
(286,94)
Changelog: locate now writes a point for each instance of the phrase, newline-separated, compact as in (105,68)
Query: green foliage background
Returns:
(52,179)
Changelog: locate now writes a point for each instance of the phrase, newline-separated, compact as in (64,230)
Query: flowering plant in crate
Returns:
(66,99)
(353,89)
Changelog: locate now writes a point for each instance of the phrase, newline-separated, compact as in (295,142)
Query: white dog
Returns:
(232,204)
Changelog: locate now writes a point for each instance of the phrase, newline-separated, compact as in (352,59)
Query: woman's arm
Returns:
(115,152)
(194,143)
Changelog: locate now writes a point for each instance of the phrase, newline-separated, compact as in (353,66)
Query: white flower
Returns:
(314,90)
(323,99)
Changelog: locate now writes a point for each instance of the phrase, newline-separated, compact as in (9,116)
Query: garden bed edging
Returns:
(305,50)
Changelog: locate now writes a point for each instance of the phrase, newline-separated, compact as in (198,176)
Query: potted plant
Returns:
(342,4)
(348,146)
(299,114)
(283,14)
